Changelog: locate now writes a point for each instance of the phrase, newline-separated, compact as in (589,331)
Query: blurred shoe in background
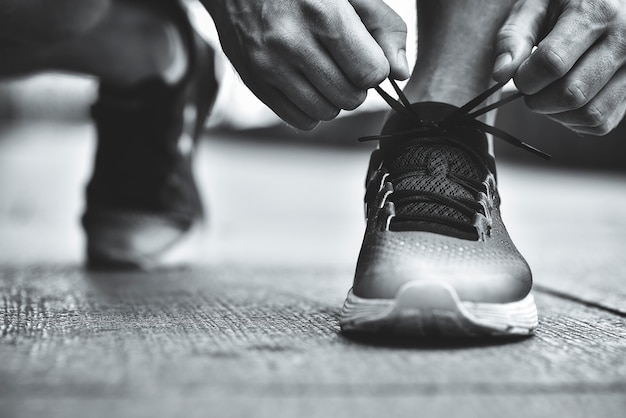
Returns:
(143,207)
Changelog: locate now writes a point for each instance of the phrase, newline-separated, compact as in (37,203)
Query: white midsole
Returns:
(519,317)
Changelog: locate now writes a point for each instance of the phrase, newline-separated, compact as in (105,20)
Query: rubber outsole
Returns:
(434,309)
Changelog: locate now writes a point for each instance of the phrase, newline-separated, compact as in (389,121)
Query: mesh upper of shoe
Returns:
(431,165)
(481,268)
(437,177)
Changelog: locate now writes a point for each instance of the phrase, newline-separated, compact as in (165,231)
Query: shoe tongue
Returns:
(435,112)
(430,164)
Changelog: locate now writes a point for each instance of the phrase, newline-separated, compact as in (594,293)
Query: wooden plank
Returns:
(265,332)
(571,227)
(201,406)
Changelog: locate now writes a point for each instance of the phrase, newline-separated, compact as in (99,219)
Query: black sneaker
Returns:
(436,258)
(143,208)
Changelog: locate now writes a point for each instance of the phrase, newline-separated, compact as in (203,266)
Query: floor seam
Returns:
(563,295)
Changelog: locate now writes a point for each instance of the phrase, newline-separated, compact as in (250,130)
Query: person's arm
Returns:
(307,59)
(577,74)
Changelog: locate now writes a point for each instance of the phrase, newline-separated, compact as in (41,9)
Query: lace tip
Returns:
(368,138)
(537,152)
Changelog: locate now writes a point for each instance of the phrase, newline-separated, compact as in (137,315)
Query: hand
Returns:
(577,74)
(307,59)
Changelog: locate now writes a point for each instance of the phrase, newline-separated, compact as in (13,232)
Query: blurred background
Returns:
(47,142)
(64,97)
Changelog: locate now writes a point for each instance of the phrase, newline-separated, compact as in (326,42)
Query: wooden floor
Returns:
(250,330)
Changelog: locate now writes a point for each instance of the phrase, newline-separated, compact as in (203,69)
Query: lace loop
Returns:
(463,116)
(436,198)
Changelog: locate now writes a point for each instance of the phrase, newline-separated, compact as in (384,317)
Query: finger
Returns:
(517,37)
(285,109)
(322,72)
(286,91)
(592,72)
(307,98)
(389,30)
(352,47)
(611,123)
(572,35)
(602,113)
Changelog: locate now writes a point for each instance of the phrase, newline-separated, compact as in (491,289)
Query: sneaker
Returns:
(143,208)
(436,258)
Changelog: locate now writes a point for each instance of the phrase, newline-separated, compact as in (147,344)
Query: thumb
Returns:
(389,31)
(517,37)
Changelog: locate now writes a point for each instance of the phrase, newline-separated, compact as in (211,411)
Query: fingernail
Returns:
(403,64)
(502,61)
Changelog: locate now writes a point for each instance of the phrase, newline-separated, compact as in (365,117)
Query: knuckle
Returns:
(552,62)
(393,20)
(258,57)
(617,44)
(606,9)
(319,13)
(262,62)
(282,39)
(511,32)
(400,24)
(594,17)
(575,96)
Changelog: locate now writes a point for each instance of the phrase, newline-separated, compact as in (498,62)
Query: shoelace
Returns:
(476,210)
(463,116)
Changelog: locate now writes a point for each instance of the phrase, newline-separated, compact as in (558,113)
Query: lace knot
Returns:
(461,117)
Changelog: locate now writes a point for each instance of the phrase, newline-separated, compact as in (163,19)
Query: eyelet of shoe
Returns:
(385,192)
(490,187)
(369,191)
(385,216)
(485,202)
(383,181)
(483,225)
